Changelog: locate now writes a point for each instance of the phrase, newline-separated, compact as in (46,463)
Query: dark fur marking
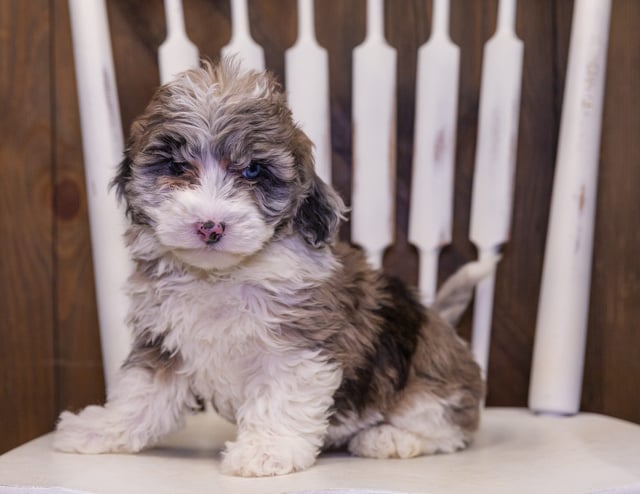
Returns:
(165,147)
(318,217)
(386,369)
(122,178)
(121,181)
(148,353)
(199,405)
(271,191)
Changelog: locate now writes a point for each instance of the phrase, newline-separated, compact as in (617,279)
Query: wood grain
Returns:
(137,30)
(340,27)
(401,259)
(519,273)
(273,26)
(79,376)
(27,393)
(208,25)
(613,367)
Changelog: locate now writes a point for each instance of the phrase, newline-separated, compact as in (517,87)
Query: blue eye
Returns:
(252,171)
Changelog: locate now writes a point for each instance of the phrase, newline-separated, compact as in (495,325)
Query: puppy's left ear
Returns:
(319,214)
(124,174)
(122,178)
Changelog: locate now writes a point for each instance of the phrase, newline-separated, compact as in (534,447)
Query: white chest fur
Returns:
(219,331)
(225,328)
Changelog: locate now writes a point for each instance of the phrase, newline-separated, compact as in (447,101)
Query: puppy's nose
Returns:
(210,231)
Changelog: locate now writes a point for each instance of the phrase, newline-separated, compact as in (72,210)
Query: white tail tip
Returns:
(456,293)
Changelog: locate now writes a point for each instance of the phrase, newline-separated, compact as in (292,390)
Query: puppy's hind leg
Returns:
(141,407)
(385,441)
(417,426)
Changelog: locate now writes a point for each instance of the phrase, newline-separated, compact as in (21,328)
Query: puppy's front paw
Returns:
(257,456)
(94,430)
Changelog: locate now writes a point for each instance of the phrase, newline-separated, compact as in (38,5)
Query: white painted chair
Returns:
(516,450)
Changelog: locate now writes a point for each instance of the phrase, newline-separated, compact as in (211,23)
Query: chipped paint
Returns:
(582,198)
(440,147)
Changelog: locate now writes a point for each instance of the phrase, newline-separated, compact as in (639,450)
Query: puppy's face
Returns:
(216,169)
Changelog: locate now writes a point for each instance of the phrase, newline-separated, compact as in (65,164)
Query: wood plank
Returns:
(208,25)
(340,27)
(79,376)
(519,272)
(274,27)
(137,30)
(402,258)
(613,366)
(26,271)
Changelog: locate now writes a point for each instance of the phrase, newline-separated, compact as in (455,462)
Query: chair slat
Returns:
(102,146)
(431,212)
(558,356)
(242,44)
(307,83)
(177,52)
(374,127)
(494,171)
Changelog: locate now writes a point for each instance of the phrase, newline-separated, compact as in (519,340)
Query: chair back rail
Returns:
(561,331)
(103,145)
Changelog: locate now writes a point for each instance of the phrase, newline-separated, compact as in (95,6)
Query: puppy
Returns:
(241,296)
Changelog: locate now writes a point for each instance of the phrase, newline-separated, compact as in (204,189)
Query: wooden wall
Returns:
(49,343)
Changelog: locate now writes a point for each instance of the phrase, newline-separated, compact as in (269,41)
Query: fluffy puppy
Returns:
(241,296)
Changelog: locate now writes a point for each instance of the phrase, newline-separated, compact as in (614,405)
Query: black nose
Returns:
(210,231)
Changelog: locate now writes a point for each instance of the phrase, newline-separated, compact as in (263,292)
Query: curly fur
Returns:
(287,332)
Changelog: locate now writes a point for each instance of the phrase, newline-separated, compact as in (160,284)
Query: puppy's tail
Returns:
(455,295)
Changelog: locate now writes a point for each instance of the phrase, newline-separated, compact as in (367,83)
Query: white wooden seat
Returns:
(516,450)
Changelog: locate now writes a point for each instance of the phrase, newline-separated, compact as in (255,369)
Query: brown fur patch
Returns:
(149,353)
(389,346)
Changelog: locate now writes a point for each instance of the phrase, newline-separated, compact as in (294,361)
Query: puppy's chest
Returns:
(220,330)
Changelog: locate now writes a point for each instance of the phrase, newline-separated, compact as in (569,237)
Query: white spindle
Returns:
(103,146)
(307,79)
(242,44)
(558,357)
(434,148)
(177,52)
(374,127)
(495,162)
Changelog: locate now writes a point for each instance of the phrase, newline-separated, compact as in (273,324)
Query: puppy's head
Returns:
(216,168)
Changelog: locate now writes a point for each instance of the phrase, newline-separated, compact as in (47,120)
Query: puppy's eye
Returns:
(178,168)
(252,171)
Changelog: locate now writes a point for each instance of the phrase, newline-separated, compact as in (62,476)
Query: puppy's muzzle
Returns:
(210,231)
